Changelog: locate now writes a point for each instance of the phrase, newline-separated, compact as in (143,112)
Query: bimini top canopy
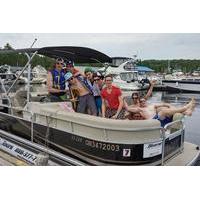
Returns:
(77,54)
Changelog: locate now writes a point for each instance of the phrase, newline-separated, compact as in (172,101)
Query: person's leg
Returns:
(189,111)
(110,112)
(90,102)
(168,112)
(98,102)
(81,108)
(121,114)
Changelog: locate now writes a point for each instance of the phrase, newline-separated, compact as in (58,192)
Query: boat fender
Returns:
(197,148)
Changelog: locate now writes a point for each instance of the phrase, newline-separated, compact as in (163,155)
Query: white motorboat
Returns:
(38,75)
(7,76)
(125,77)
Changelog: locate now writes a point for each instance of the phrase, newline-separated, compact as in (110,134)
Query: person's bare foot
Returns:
(191,102)
(188,112)
(191,107)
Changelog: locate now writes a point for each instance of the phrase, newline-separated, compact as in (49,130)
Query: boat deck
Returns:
(190,151)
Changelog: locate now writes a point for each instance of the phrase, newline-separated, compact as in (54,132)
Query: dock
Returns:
(8,160)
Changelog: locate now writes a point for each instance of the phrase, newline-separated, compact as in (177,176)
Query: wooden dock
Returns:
(8,160)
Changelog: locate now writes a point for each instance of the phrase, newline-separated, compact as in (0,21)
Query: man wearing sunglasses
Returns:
(85,95)
(56,82)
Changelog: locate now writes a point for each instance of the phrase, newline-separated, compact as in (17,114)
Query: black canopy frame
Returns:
(76,54)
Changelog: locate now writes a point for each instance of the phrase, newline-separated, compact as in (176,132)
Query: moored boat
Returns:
(189,84)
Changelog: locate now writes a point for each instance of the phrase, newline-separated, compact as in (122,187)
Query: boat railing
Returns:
(171,131)
(27,65)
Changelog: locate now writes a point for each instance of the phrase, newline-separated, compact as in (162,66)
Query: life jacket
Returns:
(58,79)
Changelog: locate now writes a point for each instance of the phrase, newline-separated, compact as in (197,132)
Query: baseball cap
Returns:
(69,62)
(59,60)
(88,69)
(68,75)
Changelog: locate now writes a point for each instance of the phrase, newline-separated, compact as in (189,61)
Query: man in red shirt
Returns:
(112,102)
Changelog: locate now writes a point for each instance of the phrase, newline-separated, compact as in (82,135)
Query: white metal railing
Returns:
(180,131)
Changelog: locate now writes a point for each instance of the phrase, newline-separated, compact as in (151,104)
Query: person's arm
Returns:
(149,92)
(125,104)
(134,109)
(50,84)
(103,107)
(119,107)
(162,105)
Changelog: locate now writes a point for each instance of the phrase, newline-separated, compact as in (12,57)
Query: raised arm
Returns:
(149,92)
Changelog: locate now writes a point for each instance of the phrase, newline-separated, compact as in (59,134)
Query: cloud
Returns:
(146,45)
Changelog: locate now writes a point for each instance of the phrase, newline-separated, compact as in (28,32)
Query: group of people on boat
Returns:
(92,93)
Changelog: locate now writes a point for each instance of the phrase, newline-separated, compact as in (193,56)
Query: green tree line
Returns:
(15,59)
(186,65)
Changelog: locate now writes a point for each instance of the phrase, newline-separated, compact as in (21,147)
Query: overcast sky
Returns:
(146,45)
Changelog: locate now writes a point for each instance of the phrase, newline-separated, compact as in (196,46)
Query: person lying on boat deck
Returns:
(97,87)
(56,81)
(112,102)
(135,102)
(69,67)
(84,92)
(163,112)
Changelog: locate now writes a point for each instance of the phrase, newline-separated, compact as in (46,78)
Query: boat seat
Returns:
(92,126)
(178,125)
(178,116)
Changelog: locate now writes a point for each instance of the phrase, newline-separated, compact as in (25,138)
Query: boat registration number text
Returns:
(102,146)
(97,145)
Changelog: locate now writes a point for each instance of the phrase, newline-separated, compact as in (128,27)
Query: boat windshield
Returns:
(128,76)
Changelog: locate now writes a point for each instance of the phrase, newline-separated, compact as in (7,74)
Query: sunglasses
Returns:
(109,80)
(97,79)
(69,65)
(58,63)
